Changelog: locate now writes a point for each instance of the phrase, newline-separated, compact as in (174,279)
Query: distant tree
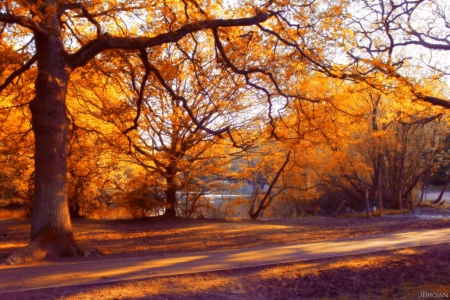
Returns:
(169,145)
(16,151)
(406,40)
(397,145)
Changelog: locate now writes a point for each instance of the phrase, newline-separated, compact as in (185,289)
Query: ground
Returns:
(405,273)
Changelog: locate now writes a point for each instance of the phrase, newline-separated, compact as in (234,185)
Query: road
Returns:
(14,278)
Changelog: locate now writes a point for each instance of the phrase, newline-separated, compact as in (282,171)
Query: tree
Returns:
(16,138)
(92,166)
(55,39)
(348,128)
(16,147)
(142,194)
(406,40)
(261,169)
(322,116)
(395,145)
(168,143)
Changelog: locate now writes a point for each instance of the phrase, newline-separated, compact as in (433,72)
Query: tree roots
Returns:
(41,249)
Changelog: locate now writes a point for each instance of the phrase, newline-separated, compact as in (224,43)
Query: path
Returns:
(57,275)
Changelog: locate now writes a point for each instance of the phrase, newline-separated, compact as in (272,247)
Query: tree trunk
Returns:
(171,188)
(30,194)
(339,208)
(422,192)
(380,198)
(425,178)
(75,208)
(51,229)
(441,194)
(366,196)
(75,199)
(267,199)
(171,199)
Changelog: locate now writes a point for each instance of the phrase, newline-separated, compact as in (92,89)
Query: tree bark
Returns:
(51,229)
(380,197)
(171,198)
(412,202)
(366,196)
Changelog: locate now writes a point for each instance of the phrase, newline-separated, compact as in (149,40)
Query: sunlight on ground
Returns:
(184,285)
(376,261)
(230,227)
(21,227)
(110,236)
(265,227)
(116,270)
(194,237)
(408,251)
(233,285)
(12,245)
(294,271)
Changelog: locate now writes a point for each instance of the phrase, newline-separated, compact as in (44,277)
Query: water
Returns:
(432,195)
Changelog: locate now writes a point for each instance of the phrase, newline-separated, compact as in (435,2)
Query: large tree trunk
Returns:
(171,197)
(171,200)
(171,187)
(51,229)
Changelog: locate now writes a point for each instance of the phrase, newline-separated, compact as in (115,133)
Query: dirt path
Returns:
(101,271)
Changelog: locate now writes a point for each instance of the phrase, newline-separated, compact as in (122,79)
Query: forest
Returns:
(193,108)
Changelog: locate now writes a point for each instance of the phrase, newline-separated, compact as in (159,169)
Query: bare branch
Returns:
(92,20)
(265,202)
(17,72)
(143,55)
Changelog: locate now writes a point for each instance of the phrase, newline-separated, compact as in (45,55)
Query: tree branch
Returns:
(436,101)
(184,102)
(22,21)
(17,72)
(90,50)
(92,20)
(265,202)
(144,58)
